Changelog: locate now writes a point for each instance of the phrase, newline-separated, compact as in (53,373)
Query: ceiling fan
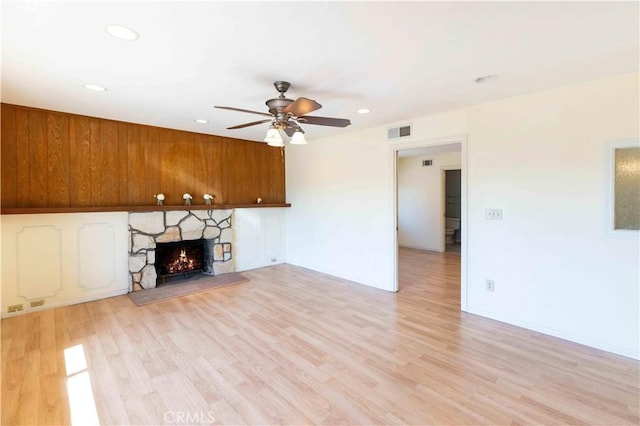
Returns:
(286,115)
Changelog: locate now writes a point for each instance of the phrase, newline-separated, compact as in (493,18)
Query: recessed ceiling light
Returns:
(94,87)
(486,78)
(201,121)
(122,32)
(364,111)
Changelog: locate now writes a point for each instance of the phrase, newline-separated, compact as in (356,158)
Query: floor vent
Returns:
(399,132)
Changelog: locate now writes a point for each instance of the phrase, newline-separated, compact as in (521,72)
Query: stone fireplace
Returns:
(147,230)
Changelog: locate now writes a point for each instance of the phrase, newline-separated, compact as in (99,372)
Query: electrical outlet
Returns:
(489,285)
(274,260)
(35,303)
(493,214)
(15,308)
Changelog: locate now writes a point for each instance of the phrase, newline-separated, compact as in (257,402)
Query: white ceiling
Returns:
(399,59)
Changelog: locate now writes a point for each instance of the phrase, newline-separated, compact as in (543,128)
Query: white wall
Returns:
(420,200)
(341,189)
(55,257)
(340,210)
(539,157)
(259,237)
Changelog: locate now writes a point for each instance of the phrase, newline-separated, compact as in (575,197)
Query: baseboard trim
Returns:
(592,343)
(66,303)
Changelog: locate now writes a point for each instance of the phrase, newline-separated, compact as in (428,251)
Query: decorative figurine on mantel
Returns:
(208,199)
(159,198)
(187,199)
(259,200)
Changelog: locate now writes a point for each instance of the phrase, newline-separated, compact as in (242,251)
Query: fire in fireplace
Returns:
(180,257)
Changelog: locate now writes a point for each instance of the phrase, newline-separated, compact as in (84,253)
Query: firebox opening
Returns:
(179,260)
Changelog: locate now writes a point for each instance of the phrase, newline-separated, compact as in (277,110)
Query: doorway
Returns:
(452,183)
(428,158)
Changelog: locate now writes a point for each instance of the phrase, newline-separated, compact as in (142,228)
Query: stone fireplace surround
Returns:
(149,228)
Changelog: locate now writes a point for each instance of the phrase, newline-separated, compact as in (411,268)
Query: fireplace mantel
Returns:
(151,208)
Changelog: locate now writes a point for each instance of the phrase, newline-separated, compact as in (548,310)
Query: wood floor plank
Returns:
(293,346)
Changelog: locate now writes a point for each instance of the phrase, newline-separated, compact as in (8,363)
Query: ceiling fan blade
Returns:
(243,110)
(324,121)
(302,106)
(253,123)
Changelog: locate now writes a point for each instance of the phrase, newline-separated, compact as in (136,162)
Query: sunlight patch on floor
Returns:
(81,402)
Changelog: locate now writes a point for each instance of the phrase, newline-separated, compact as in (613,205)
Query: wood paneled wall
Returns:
(53,159)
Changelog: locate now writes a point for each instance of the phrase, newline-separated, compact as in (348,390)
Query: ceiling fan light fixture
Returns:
(276,143)
(298,138)
(273,137)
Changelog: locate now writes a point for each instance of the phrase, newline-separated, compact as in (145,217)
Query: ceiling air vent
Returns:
(399,132)
(427,163)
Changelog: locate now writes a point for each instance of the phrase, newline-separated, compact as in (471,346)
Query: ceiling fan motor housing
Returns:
(277,105)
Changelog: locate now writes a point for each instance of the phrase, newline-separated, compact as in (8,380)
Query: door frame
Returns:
(393,158)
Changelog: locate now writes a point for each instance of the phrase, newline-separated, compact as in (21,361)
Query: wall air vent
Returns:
(399,132)
(427,163)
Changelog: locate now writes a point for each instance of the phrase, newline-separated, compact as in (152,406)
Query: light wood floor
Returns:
(292,346)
